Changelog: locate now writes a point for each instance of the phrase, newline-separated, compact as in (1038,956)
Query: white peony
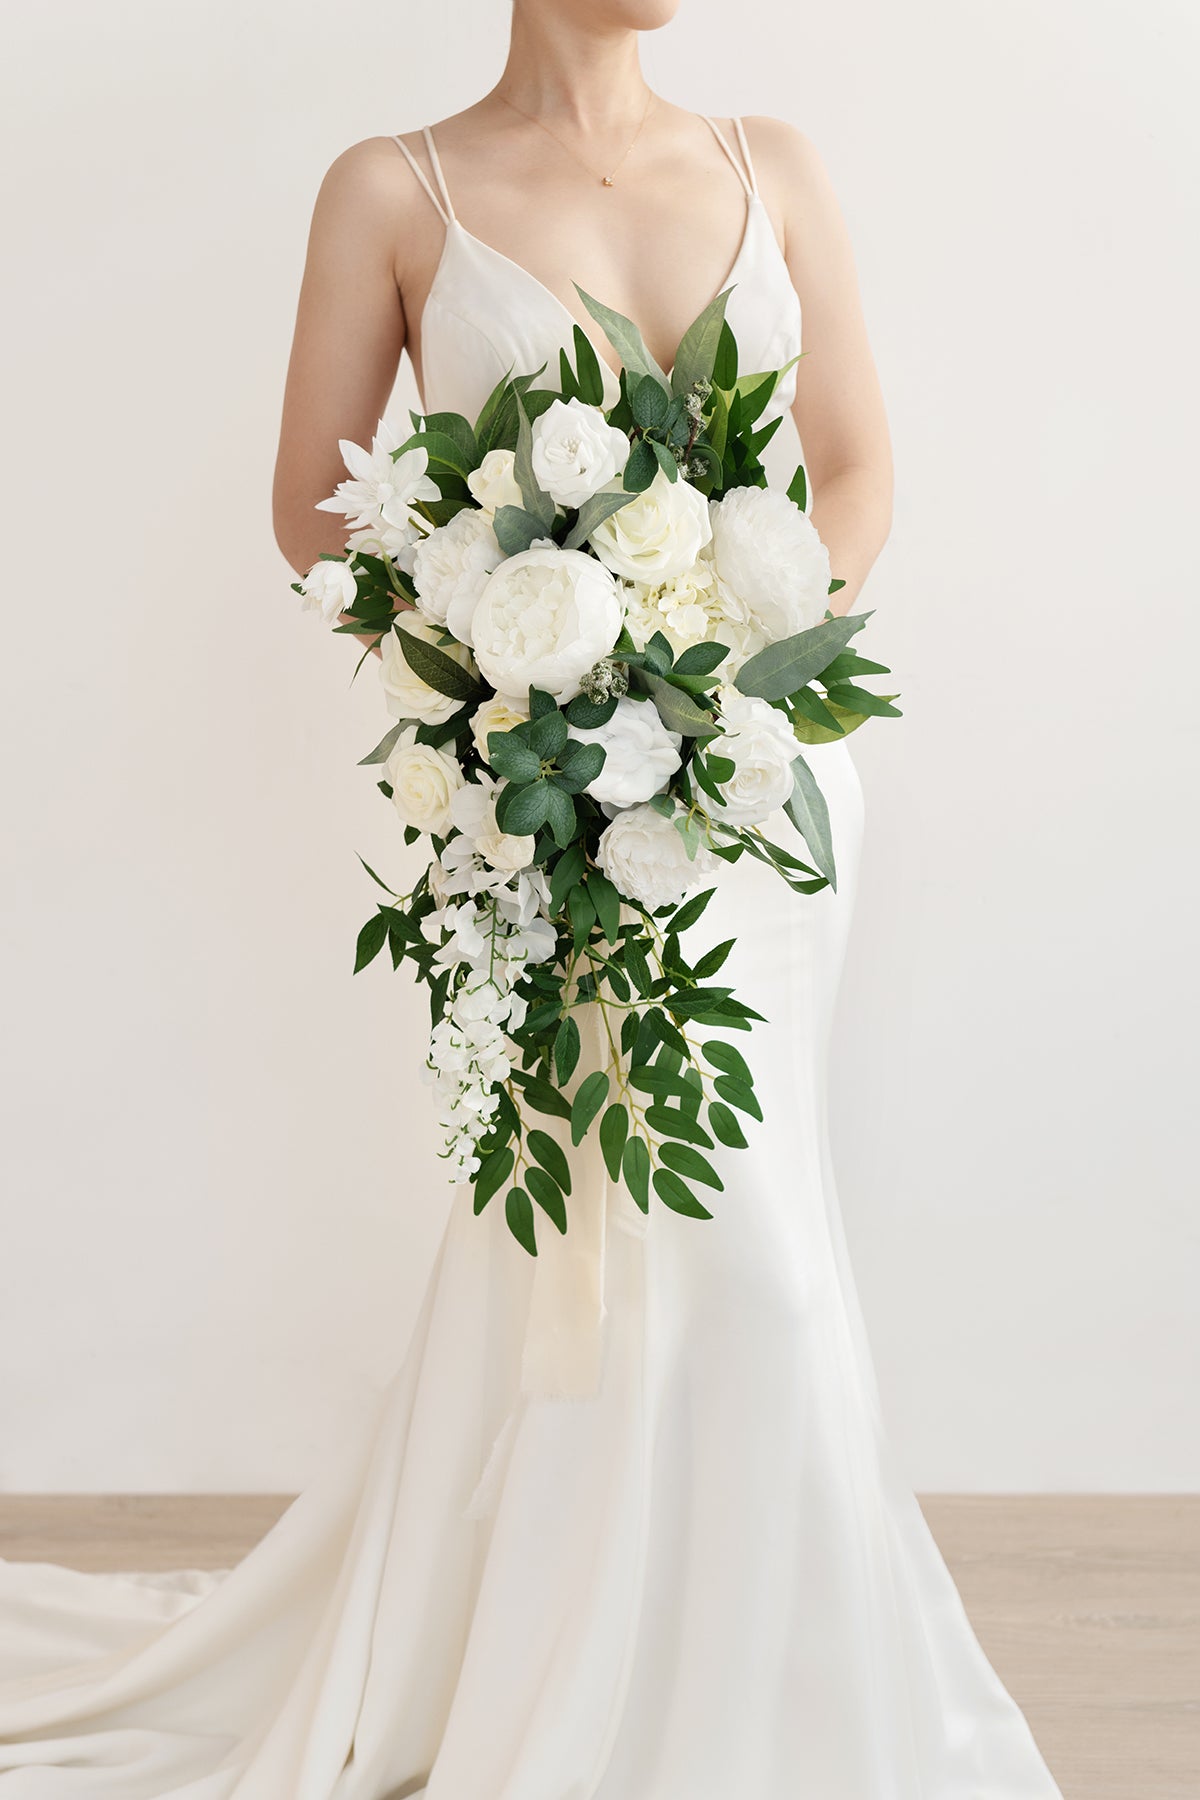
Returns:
(473,811)
(450,567)
(760,743)
(383,488)
(500,713)
(640,754)
(770,560)
(424,782)
(575,451)
(657,534)
(545,617)
(408,697)
(690,609)
(493,483)
(329,588)
(646,859)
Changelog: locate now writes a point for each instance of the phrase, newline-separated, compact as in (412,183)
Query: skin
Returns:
(375,241)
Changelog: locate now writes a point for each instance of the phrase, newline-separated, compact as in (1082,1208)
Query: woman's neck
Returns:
(572,69)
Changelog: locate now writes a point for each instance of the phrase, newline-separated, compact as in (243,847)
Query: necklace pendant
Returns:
(606,181)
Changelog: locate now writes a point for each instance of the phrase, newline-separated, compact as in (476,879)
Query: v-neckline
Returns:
(455,228)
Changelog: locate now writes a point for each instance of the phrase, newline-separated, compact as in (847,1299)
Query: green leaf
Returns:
(686,1161)
(678,1195)
(436,669)
(549,1152)
(579,764)
(518,1210)
(691,910)
(607,902)
(635,1167)
(378,879)
(697,355)
(592,1094)
(614,1130)
(723,1056)
(581,912)
(636,966)
(492,1174)
(585,716)
(809,813)
(858,699)
(725,1126)
(677,710)
(641,468)
(664,458)
(382,751)
(537,501)
(810,705)
(443,449)
(566,872)
(798,487)
(713,959)
(516,529)
(588,371)
(780,670)
(649,402)
(371,940)
(724,374)
(668,1121)
(624,337)
(512,757)
(541,1096)
(592,513)
(738,1094)
(521,810)
(548,1195)
(560,813)
(566,1049)
(700,659)
(808,731)
(547,734)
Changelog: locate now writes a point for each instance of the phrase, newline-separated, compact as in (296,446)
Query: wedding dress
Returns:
(707,1580)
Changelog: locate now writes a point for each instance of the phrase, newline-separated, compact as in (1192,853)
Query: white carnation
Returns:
(575,451)
(423,782)
(645,858)
(450,567)
(408,697)
(328,588)
(657,534)
(544,618)
(770,560)
(493,484)
(640,754)
(760,743)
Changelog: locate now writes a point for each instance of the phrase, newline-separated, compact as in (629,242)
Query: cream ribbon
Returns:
(562,1354)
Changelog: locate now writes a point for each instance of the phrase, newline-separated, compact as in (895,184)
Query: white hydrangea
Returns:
(690,608)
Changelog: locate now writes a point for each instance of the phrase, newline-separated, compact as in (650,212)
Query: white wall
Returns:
(221,1194)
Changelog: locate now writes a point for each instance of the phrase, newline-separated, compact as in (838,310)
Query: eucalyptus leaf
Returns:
(624,337)
(678,711)
(696,356)
(592,513)
(809,813)
(516,529)
(782,669)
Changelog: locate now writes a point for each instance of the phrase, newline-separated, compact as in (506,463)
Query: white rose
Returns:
(424,782)
(500,713)
(450,567)
(657,534)
(473,810)
(408,697)
(760,743)
(575,451)
(493,483)
(329,587)
(769,558)
(545,617)
(645,857)
(640,754)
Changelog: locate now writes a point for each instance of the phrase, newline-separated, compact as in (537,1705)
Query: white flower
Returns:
(493,483)
(645,857)
(400,544)
(575,452)
(545,617)
(473,811)
(760,743)
(500,713)
(640,754)
(423,782)
(408,697)
(329,587)
(690,608)
(770,559)
(450,567)
(382,488)
(657,534)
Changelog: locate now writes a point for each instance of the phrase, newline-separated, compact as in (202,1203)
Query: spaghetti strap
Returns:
(748,184)
(435,159)
(421,176)
(745,150)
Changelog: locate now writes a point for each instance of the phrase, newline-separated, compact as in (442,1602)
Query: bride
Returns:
(699,1577)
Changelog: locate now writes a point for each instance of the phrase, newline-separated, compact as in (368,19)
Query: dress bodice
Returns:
(486,315)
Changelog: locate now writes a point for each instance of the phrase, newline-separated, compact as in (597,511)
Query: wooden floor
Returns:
(1089,1607)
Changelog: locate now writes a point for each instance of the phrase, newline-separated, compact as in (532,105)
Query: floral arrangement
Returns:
(605,644)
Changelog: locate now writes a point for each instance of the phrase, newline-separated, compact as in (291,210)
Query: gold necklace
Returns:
(608,180)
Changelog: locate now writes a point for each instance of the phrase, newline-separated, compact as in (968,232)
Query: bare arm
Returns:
(349,333)
(838,409)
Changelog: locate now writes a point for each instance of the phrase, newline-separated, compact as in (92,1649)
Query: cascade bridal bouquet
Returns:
(606,644)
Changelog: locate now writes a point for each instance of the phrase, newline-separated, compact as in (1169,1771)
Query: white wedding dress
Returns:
(707,1581)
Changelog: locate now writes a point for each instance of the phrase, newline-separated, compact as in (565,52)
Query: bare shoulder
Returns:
(783,154)
(369,203)
(795,181)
